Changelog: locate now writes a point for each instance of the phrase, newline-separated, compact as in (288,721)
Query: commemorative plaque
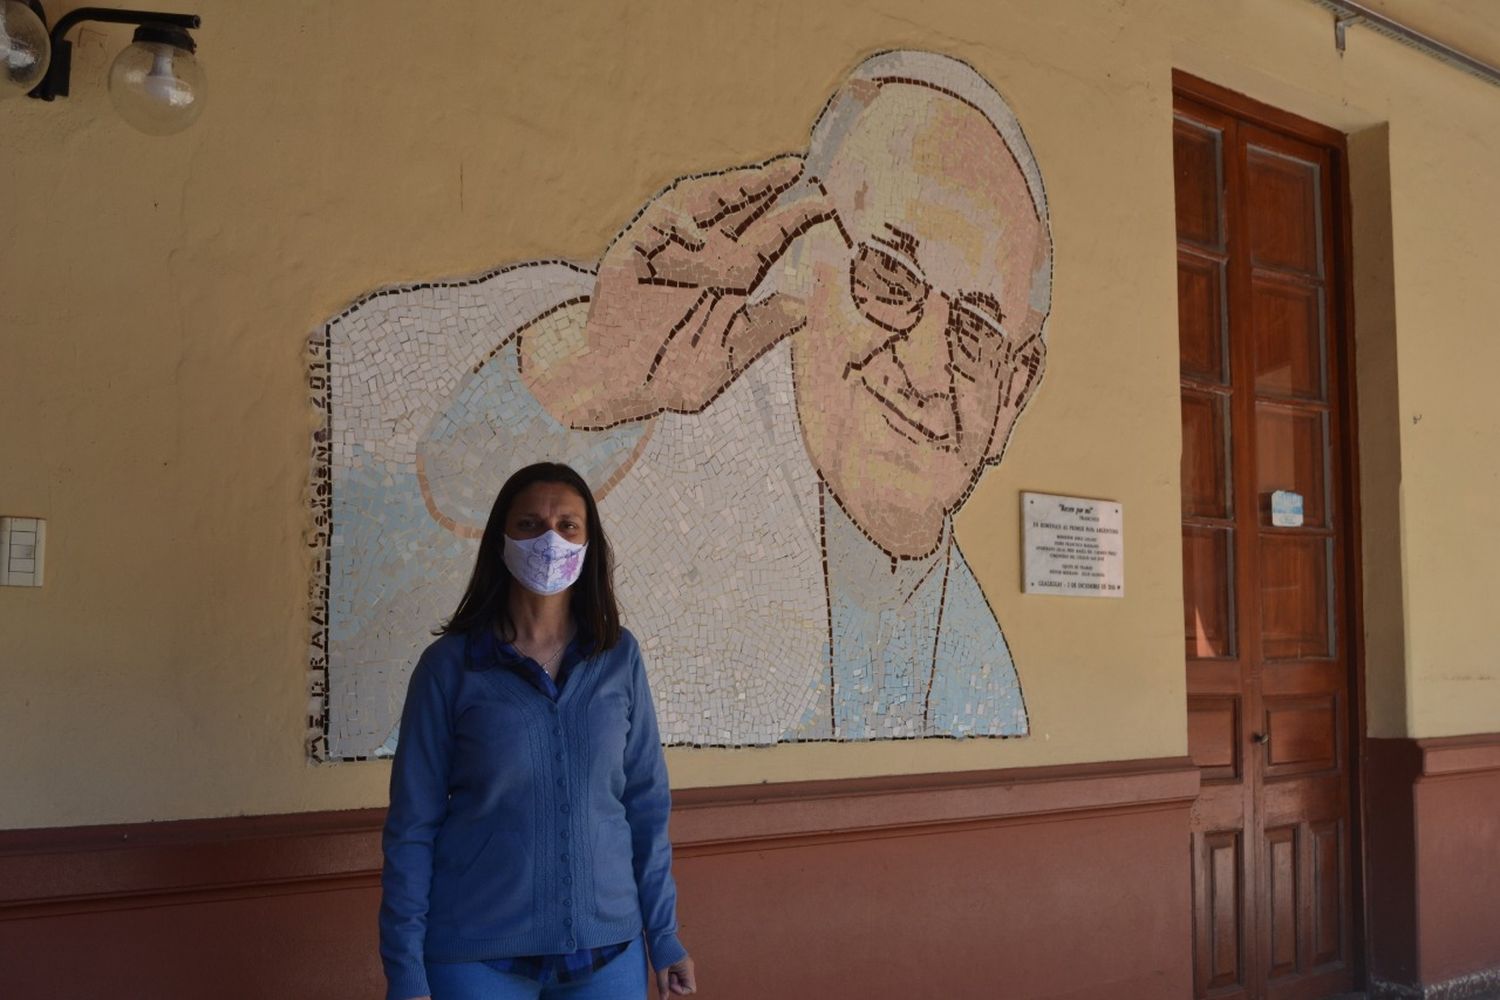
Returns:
(1075,547)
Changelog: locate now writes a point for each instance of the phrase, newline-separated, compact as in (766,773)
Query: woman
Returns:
(526,845)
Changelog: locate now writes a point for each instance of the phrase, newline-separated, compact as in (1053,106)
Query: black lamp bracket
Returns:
(150,26)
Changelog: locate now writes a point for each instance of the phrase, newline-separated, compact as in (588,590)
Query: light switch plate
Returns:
(23,542)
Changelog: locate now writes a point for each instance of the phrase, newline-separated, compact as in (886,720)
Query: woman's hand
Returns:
(677,979)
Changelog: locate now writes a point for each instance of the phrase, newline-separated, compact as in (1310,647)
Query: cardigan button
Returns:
(572,944)
(567,921)
(564,807)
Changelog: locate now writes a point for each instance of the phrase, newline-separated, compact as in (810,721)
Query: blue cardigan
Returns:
(523,826)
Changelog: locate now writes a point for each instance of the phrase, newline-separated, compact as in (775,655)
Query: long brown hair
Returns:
(486,600)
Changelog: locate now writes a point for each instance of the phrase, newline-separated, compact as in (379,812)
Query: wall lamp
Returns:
(155,83)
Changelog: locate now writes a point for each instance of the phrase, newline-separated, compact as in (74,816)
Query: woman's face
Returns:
(544,507)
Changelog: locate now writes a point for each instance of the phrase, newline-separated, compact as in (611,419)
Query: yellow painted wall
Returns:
(155,295)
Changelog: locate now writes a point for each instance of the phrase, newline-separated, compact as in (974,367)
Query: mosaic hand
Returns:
(672,316)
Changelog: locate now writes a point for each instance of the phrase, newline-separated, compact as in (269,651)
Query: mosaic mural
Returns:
(782,380)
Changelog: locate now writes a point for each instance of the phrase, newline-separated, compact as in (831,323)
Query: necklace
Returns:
(554,655)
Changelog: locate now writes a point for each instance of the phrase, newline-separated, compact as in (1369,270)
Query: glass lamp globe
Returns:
(24,49)
(156,83)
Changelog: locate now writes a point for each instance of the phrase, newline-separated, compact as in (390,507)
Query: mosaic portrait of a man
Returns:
(782,381)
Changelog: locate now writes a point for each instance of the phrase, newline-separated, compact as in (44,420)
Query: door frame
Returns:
(1351,620)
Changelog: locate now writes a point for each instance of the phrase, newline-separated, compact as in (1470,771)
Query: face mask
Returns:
(546,564)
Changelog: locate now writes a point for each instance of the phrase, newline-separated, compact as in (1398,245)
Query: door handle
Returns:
(1261,738)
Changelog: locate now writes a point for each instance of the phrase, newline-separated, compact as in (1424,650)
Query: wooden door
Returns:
(1266,606)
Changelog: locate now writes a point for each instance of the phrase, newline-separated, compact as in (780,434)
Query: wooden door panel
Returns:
(1263,409)
(1283,221)
(1214,736)
(1287,318)
(1202,325)
(1291,452)
(1197,161)
(1310,798)
(1326,933)
(1294,596)
(1307,678)
(1282,900)
(1301,735)
(1205,458)
(1208,597)
(1221,933)
(1209,677)
(1304,891)
(1218,812)
(1314,985)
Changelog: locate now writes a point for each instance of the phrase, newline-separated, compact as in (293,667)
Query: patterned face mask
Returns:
(546,564)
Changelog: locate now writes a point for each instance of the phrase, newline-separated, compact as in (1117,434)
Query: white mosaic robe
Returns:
(719,550)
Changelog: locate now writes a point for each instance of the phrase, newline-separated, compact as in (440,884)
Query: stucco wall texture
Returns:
(156,295)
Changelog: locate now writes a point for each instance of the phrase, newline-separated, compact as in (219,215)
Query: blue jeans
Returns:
(624,978)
